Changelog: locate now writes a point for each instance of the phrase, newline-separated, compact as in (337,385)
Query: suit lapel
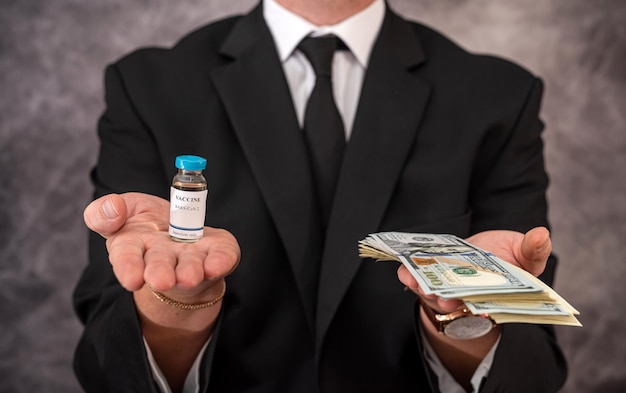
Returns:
(255,94)
(258,102)
(389,113)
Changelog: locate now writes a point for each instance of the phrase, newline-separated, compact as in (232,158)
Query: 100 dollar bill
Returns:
(446,265)
(449,267)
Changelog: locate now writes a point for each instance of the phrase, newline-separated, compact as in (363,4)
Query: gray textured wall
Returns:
(52,54)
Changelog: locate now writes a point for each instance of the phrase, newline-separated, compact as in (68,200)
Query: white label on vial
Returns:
(187,210)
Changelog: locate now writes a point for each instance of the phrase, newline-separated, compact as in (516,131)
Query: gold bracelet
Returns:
(188,306)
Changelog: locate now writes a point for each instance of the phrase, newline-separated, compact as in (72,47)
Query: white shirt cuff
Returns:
(192,382)
(446,381)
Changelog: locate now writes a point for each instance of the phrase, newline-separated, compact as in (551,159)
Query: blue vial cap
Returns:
(191,163)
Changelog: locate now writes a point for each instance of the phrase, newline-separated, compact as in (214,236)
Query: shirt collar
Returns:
(288,29)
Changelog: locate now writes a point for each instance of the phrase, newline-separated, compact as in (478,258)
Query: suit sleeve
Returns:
(510,192)
(111,355)
(509,179)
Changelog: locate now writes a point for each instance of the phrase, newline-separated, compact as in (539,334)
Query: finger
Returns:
(411,283)
(535,249)
(448,305)
(407,279)
(190,269)
(434,302)
(441,305)
(160,268)
(126,257)
(106,215)
(223,253)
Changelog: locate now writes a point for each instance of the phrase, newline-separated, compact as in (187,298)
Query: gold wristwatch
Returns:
(460,324)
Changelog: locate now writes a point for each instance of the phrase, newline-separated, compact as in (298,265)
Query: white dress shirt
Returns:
(359,33)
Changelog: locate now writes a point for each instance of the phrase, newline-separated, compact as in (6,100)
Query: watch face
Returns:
(468,327)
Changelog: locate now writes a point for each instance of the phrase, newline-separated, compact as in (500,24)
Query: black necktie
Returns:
(323,126)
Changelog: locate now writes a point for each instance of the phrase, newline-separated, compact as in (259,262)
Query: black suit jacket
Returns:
(443,141)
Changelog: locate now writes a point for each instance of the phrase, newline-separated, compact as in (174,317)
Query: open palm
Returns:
(135,227)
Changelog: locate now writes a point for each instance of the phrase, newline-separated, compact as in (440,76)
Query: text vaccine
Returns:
(188,196)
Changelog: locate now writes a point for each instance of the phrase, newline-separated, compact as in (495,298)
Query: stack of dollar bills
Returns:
(447,266)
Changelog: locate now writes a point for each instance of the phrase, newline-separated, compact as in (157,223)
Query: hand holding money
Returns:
(530,251)
(447,267)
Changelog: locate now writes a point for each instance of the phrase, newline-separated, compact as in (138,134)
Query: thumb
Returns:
(535,249)
(106,215)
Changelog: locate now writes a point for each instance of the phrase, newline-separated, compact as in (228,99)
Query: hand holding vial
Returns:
(136,227)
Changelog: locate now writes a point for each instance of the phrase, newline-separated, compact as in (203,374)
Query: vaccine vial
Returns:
(188,196)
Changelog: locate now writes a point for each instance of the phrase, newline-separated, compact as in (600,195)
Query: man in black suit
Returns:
(438,140)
